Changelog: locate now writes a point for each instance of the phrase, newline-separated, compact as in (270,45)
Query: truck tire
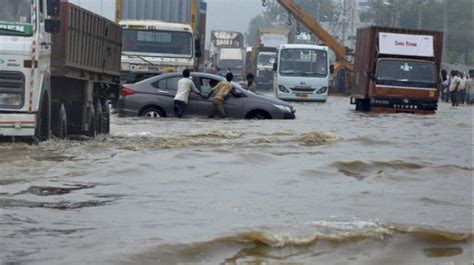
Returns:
(60,127)
(92,130)
(106,117)
(43,119)
(363,104)
(99,117)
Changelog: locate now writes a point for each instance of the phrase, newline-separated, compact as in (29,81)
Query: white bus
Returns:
(302,73)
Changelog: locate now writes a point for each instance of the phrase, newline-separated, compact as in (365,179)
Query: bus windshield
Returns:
(163,43)
(303,62)
(15,11)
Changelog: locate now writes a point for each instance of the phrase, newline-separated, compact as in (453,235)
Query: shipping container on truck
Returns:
(64,66)
(267,42)
(160,36)
(397,70)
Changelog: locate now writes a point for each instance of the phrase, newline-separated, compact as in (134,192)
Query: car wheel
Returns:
(152,113)
(259,115)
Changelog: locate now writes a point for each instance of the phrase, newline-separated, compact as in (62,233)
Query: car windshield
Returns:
(266,59)
(15,11)
(303,62)
(165,43)
(406,71)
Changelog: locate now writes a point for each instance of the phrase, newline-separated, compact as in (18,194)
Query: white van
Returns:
(302,73)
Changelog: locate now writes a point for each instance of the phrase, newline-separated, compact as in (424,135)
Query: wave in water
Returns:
(358,242)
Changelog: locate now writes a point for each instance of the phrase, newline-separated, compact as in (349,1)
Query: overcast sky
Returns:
(232,15)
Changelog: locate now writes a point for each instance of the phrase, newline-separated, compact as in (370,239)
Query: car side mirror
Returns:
(371,76)
(331,69)
(197,45)
(52,25)
(275,66)
(53,8)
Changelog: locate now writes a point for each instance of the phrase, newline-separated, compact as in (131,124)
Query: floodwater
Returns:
(332,187)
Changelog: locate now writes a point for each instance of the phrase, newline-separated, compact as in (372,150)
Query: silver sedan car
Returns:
(154,98)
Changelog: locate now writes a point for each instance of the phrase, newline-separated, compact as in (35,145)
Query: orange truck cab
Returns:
(397,70)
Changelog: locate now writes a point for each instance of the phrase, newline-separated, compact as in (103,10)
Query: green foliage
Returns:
(460,43)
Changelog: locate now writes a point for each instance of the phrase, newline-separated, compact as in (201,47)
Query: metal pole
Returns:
(420,14)
(445,30)
(396,15)
(318,14)
(344,15)
(379,13)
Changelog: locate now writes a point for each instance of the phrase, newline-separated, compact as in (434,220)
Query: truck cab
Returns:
(396,79)
(153,47)
(56,71)
(264,73)
(25,53)
(302,73)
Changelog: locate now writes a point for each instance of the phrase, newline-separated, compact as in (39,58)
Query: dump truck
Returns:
(160,36)
(59,64)
(397,70)
(227,52)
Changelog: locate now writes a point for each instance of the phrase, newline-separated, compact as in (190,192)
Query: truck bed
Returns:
(88,46)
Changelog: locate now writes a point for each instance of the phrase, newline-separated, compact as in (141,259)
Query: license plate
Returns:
(302,95)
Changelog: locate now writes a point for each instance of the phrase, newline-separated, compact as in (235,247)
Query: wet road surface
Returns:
(332,187)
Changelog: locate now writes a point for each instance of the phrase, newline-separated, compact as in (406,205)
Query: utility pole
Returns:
(445,30)
(396,13)
(420,14)
(379,13)
(318,14)
(344,21)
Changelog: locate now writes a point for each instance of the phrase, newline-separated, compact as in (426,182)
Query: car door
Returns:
(232,105)
(166,90)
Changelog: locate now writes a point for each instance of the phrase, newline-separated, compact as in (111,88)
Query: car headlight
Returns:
(283,89)
(322,90)
(284,108)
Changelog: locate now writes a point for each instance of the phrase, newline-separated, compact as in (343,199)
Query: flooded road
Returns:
(332,187)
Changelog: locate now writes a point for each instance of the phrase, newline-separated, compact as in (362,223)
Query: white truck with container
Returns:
(58,65)
(158,36)
(227,52)
(264,53)
(301,73)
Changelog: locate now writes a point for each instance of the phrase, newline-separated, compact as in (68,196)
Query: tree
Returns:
(460,39)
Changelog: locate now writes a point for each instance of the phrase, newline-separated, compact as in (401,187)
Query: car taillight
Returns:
(125,91)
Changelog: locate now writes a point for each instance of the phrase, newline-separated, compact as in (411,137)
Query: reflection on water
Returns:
(331,186)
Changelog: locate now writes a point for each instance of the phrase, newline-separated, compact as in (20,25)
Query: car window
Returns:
(160,84)
(207,84)
(170,83)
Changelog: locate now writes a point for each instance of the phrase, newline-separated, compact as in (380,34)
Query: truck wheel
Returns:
(99,117)
(60,128)
(106,117)
(92,130)
(362,104)
(43,120)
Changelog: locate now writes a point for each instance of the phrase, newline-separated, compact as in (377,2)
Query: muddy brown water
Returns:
(332,187)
